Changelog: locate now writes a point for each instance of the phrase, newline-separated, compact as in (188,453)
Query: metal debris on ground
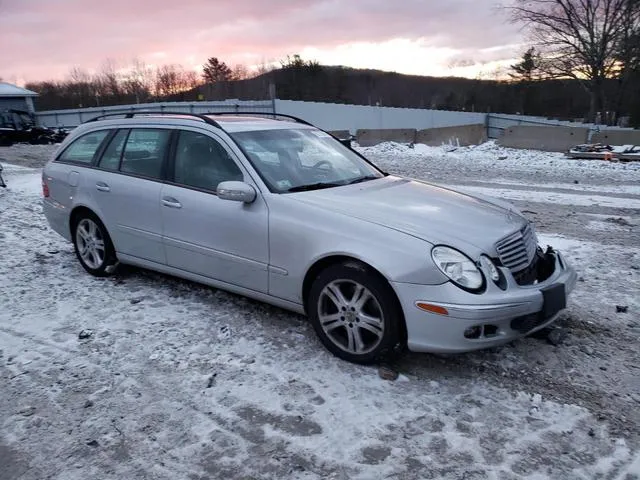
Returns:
(84,334)
(387,373)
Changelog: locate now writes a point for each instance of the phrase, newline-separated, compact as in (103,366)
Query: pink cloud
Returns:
(44,38)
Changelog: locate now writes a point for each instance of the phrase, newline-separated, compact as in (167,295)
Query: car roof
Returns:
(229,123)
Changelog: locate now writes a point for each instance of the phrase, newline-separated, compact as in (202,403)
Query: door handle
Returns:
(102,187)
(171,202)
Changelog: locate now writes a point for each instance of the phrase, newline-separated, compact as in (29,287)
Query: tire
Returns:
(356,314)
(93,245)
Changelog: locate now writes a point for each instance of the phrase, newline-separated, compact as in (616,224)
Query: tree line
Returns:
(137,82)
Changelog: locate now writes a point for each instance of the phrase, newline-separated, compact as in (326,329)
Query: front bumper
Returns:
(499,316)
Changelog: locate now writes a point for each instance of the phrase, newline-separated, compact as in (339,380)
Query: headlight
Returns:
(488,265)
(458,267)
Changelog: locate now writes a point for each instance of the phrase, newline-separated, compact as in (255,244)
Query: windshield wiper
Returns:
(314,186)
(362,179)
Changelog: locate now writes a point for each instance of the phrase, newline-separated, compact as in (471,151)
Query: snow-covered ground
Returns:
(180,381)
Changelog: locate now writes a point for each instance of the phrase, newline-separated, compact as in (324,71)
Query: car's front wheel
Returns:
(93,245)
(356,314)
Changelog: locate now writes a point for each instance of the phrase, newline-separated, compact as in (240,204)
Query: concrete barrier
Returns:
(549,139)
(461,135)
(368,138)
(341,134)
(617,137)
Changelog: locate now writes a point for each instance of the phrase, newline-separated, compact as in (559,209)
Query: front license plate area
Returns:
(555,299)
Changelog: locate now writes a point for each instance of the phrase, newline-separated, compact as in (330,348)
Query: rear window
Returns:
(84,148)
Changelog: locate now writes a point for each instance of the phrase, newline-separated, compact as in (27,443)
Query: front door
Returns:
(219,239)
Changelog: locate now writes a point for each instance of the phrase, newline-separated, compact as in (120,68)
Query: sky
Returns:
(45,39)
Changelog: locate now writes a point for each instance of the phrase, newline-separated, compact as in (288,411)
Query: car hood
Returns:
(430,212)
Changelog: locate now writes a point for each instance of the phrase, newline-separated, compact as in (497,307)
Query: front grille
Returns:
(517,251)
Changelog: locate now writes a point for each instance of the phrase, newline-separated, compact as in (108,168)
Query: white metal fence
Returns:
(329,116)
(74,117)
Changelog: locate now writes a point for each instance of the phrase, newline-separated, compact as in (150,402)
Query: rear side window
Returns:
(111,157)
(84,148)
(145,151)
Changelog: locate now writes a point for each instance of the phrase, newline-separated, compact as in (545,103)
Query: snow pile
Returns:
(488,157)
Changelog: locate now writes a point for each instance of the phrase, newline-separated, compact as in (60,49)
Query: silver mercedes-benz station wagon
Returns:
(283,212)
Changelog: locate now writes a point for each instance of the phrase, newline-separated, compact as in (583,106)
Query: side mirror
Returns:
(236,192)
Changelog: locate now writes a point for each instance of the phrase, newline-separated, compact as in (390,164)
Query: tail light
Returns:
(45,187)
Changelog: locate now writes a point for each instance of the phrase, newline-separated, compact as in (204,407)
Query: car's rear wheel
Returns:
(93,245)
(356,314)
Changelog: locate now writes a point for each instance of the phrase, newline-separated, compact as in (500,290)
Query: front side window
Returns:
(145,151)
(292,160)
(201,162)
(84,148)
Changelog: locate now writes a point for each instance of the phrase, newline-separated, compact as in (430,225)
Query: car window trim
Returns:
(124,146)
(93,158)
(169,174)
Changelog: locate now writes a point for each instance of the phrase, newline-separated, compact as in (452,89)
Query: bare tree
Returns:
(628,59)
(265,66)
(240,72)
(189,80)
(137,82)
(578,39)
(174,79)
(108,80)
(167,80)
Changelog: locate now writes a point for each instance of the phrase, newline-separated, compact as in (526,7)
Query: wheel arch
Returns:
(75,215)
(334,259)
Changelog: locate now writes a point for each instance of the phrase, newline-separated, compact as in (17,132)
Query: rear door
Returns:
(126,187)
(203,234)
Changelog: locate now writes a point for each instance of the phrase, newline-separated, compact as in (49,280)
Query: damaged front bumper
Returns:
(497,316)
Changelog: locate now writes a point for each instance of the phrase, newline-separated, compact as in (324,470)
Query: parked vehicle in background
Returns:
(283,212)
(18,126)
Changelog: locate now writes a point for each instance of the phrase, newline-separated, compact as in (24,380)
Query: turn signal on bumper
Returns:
(428,307)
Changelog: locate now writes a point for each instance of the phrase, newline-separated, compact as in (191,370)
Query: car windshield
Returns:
(291,160)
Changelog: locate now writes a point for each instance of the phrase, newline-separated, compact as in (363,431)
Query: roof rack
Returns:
(271,114)
(204,118)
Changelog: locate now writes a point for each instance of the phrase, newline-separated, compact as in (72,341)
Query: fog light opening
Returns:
(473,332)
(490,330)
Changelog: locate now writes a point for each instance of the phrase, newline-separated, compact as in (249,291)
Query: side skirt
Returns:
(176,272)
